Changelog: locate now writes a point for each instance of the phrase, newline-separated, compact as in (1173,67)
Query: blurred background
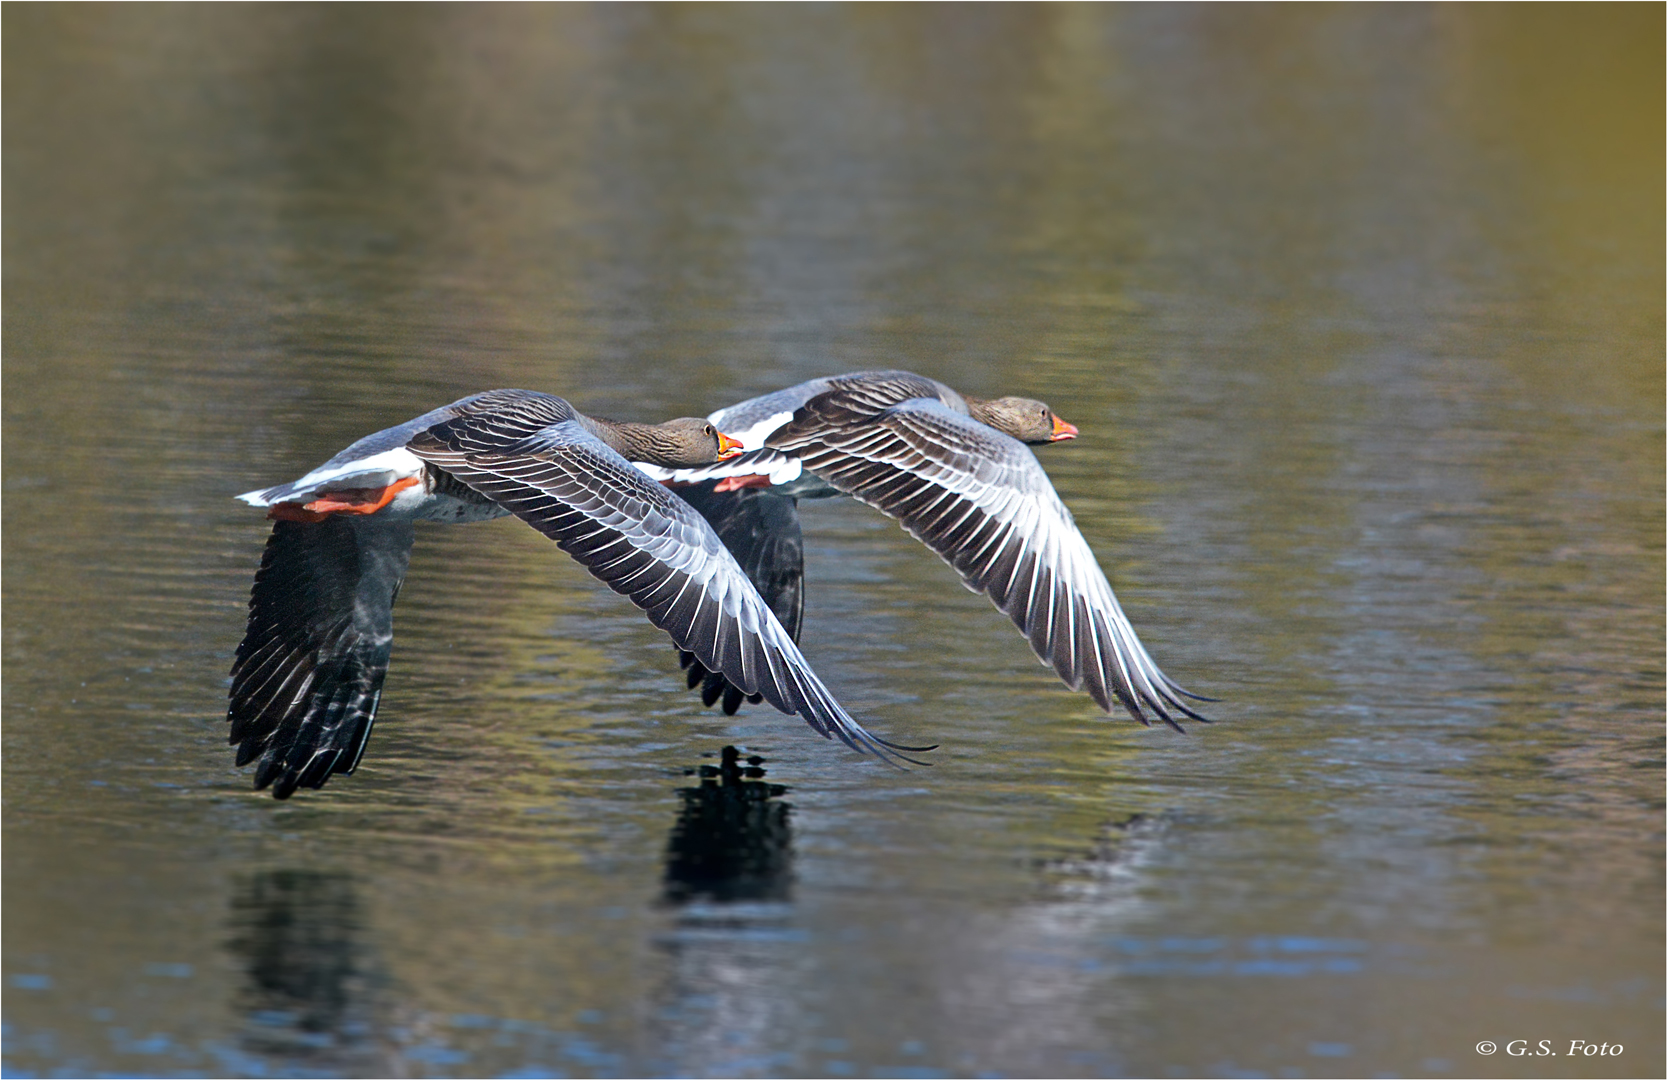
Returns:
(1360,312)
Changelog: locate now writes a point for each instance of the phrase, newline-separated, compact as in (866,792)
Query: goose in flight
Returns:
(309,672)
(957,474)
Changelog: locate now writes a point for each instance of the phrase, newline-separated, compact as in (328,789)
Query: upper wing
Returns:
(309,672)
(376,460)
(753,421)
(646,544)
(982,502)
(761,529)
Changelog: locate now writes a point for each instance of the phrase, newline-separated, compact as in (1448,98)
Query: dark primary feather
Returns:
(308,674)
(761,529)
(980,500)
(644,543)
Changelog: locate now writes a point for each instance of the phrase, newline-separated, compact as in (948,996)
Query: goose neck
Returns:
(631,440)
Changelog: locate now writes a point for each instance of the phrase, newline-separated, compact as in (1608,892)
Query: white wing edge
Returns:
(780,468)
(751,438)
(393,464)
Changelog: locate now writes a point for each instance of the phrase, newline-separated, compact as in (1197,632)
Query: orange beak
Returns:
(1062,430)
(728,447)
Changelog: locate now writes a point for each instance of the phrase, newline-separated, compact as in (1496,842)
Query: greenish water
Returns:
(1359,311)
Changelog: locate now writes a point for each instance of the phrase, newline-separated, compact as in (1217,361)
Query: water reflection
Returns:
(722,1008)
(1031,992)
(309,997)
(1105,870)
(733,840)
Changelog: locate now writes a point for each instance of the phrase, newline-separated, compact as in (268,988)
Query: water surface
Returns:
(1360,313)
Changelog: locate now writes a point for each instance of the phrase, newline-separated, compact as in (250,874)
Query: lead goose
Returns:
(309,673)
(957,473)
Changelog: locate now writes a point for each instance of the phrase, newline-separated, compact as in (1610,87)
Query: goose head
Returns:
(1026,419)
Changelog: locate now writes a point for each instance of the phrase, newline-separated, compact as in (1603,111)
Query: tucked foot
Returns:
(736,483)
(346,501)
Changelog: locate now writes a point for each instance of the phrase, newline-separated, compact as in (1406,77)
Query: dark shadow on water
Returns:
(308,1000)
(730,948)
(733,840)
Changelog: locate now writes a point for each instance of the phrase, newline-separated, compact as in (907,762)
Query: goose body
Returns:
(310,670)
(958,474)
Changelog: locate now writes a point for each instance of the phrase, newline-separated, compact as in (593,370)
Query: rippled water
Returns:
(1359,310)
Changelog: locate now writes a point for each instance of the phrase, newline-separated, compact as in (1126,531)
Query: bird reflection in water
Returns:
(308,1000)
(733,840)
(723,1007)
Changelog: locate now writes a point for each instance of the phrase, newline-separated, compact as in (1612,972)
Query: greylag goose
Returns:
(309,672)
(957,473)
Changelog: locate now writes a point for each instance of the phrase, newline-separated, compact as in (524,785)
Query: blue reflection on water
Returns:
(1283,956)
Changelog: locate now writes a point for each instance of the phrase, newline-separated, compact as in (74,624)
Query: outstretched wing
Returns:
(645,543)
(760,528)
(309,672)
(982,502)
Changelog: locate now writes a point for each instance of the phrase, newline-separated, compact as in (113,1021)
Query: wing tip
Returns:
(889,753)
(1137,709)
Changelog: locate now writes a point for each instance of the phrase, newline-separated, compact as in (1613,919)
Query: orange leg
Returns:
(736,483)
(346,501)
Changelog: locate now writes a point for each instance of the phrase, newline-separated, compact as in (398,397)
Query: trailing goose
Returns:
(309,672)
(958,474)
